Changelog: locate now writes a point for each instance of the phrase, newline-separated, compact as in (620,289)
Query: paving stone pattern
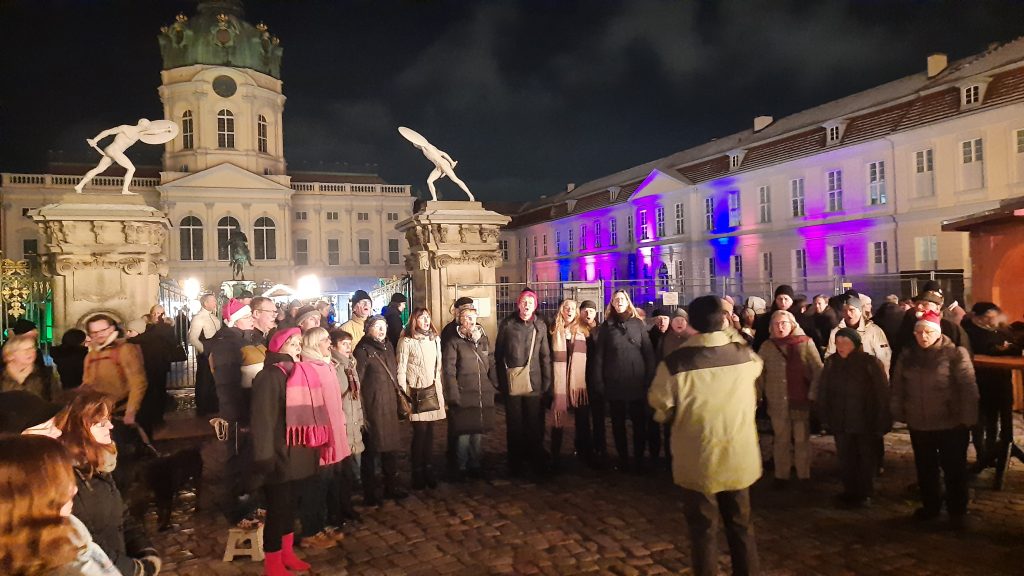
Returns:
(586,522)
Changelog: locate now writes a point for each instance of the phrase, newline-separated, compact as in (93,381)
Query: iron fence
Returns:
(181,379)
(381,295)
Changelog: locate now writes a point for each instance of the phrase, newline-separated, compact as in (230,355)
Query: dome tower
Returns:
(221,83)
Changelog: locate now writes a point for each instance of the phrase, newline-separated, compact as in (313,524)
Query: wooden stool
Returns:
(237,537)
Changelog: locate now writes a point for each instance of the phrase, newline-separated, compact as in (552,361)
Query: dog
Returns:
(167,475)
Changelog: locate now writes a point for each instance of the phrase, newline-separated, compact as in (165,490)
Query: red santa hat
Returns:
(930,319)
(234,311)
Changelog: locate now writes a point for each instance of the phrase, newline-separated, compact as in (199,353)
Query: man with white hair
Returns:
(872,337)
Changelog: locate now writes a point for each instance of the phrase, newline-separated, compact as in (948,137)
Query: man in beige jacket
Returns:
(113,367)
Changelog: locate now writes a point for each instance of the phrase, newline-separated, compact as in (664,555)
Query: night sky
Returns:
(526,96)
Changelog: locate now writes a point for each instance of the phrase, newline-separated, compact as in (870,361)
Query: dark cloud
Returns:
(527,96)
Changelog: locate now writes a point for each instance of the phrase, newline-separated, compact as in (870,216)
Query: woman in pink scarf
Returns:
(569,360)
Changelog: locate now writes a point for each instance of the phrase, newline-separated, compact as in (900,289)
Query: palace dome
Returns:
(218,35)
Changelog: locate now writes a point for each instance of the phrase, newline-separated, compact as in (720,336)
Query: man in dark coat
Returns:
(394,317)
(70,358)
(524,413)
(225,352)
(156,342)
(930,299)
(994,432)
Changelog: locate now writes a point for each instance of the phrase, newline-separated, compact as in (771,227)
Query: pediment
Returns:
(657,183)
(225,176)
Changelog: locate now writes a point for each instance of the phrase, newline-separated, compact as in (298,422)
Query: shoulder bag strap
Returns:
(533,340)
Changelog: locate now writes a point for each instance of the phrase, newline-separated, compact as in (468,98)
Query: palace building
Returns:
(225,173)
(854,191)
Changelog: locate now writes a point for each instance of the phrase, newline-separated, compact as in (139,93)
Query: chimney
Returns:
(762,122)
(570,186)
(936,64)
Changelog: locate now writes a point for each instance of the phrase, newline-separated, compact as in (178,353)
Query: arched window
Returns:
(191,238)
(663,283)
(225,129)
(266,239)
(227,227)
(187,131)
(261,133)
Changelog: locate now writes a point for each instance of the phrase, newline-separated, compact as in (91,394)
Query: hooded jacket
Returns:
(872,339)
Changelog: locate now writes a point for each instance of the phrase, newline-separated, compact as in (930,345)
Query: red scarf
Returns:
(797,385)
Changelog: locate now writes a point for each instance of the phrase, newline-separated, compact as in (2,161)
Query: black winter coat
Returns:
(272,456)
(377,368)
(470,380)
(625,359)
(853,395)
(989,343)
(100,507)
(394,320)
(225,353)
(512,350)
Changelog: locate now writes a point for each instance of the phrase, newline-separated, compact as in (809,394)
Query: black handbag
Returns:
(425,399)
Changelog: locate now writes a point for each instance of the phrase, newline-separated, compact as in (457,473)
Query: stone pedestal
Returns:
(454,244)
(102,258)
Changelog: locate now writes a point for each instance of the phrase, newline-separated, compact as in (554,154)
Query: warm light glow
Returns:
(191,288)
(307,287)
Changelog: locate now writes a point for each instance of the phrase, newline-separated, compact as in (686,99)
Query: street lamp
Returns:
(307,287)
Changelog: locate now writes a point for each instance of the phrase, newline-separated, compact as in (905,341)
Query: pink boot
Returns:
(291,561)
(273,564)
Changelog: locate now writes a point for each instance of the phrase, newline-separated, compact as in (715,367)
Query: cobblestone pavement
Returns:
(584,522)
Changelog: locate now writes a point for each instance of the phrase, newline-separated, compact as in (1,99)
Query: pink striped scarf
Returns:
(307,422)
(337,447)
(569,371)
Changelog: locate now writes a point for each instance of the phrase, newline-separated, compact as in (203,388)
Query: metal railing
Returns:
(64,180)
(176,307)
(395,189)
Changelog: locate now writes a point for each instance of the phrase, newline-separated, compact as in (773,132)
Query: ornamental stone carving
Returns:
(489,259)
(66,265)
(441,233)
(489,234)
(417,261)
(468,232)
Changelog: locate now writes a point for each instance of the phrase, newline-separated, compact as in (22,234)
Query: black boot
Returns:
(418,479)
(429,478)
(391,489)
(556,449)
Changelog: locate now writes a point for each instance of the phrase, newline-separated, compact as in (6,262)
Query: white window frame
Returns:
(225,129)
(837,255)
(570,240)
(191,230)
(544,244)
(659,221)
(1020,141)
(680,219)
(735,211)
(880,255)
(680,271)
(302,252)
(188,140)
(709,214)
(503,246)
(392,216)
(972,151)
(597,233)
(736,266)
(334,256)
(363,245)
(972,94)
(583,237)
(645,230)
(394,252)
(876,183)
(629,228)
(924,161)
(262,143)
(834,189)
(764,197)
(834,132)
(362,216)
(265,237)
(767,266)
(332,216)
(800,263)
(797,198)
(558,241)
(613,232)
(301,215)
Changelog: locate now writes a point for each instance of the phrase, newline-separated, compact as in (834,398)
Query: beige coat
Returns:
(707,390)
(356,327)
(772,381)
(413,372)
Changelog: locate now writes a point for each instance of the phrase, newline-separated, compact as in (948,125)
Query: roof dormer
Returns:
(613,193)
(972,92)
(834,131)
(570,204)
(736,159)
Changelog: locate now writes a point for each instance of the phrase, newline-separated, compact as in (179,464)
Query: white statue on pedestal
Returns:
(443,163)
(157,132)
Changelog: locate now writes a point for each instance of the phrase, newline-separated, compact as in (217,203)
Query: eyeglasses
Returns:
(271,311)
(100,331)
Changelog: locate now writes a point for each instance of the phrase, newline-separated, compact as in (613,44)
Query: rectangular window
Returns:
(839,260)
(835,190)
(534,246)
(972,94)
(503,246)
(302,215)
(736,266)
(583,237)
(881,256)
(558,241)
(392,216)
(712,276)
(734,208)
(363,216)
(659,220)
(261,134)
(613,232)
(187,134)
(364,250)
(923,161)
(800,262)
(876,183)
(29,247)
(1020,141)
(927,250)
(301,251)
(764,198)
(570,240)
(709,214)
(680,272)
(833,134)
(393,251)
(680,220)
(972,151)
(630,237)
(644,228)
(333,252)
(767,268)
(332,215)
(796,196)
(597,233)
(225,130)
(503,291)
(545,238)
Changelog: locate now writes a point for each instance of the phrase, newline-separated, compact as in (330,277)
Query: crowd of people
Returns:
(310,414)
